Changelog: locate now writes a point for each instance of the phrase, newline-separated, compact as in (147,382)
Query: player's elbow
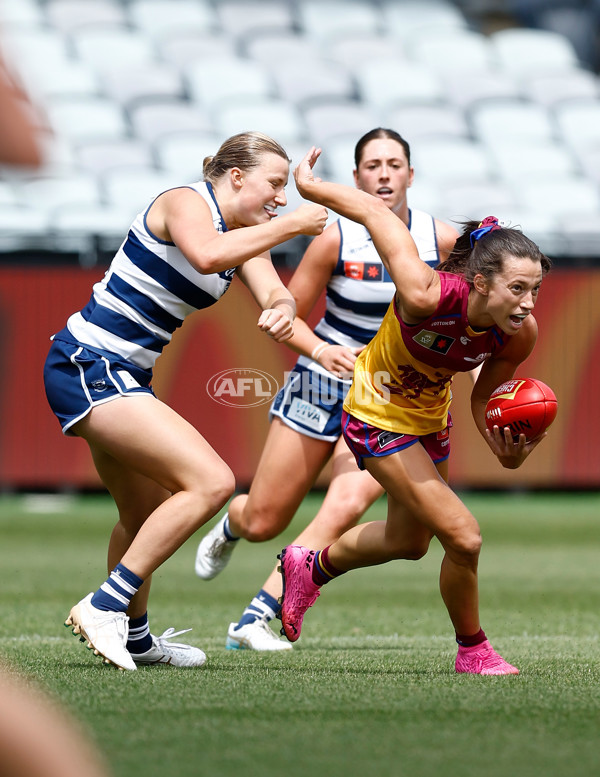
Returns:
(207,263)
(374,212)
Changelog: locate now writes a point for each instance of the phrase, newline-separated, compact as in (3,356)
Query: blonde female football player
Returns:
(395,417)
(305,429)
(179,256)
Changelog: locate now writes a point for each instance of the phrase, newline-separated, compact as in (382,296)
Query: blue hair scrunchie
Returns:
(489,224)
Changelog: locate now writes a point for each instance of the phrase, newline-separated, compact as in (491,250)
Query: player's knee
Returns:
(219,490)
(467,544)
(261,529)
(260,521)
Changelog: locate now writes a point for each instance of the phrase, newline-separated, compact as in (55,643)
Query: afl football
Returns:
(526,405)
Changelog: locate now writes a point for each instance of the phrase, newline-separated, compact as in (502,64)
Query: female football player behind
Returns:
(396,411)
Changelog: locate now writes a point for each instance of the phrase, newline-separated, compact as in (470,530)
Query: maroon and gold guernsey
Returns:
(402,379)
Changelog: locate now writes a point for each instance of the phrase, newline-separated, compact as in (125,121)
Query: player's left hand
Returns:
(511,453)
(276,324)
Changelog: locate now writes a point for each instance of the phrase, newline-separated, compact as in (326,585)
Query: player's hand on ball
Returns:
(276,324)
(511,451)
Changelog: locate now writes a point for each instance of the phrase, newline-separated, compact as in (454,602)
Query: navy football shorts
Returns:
(77,378)
(311,403)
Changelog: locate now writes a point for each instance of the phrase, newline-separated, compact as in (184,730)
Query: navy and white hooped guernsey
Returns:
(357,298)
(147,292)
(360,289)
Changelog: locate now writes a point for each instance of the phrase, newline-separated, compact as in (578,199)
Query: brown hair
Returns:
(243,150)
(486,257)
(374,134)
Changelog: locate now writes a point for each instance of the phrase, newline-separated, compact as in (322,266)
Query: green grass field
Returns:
(369,690)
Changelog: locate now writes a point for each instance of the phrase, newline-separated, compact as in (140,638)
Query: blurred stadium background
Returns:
(499,99)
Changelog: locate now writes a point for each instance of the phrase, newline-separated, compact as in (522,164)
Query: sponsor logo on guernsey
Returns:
(433,341)
(363,271)
(477,359)
(440,322)
(227,274)
(308,415)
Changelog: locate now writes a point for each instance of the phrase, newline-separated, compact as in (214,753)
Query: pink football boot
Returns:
(482,659)
(299,590)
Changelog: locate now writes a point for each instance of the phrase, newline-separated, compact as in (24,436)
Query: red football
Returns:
(526,405)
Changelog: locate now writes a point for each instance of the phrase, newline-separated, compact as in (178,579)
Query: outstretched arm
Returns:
(416,283)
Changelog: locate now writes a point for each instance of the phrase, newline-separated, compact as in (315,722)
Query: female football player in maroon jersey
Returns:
(477,310)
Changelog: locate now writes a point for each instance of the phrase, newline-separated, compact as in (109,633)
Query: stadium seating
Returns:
(324,20)
(159,17)
(415,121)
(450,160)
(404,18)
(278,118)
(464,51)
(343,117)
(68,15)
(386,82)
(87,118)
(147,88)
(463,201)
(317,79)
(532,159)
(98,156)
(494,120)
(130,188)
(182,47)
(359,47)
(284,47)
(112,47)
(237,78)
(151,119)
(524,52)
(244,17)
(143,82)
(182,153)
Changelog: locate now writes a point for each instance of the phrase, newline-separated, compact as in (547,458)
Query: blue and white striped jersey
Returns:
(147,292)
(360,289)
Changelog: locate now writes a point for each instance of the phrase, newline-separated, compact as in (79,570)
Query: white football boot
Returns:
(106,632)
(214,552)
(254,636)
(172,653)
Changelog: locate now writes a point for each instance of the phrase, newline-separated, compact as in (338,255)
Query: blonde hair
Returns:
(243,150)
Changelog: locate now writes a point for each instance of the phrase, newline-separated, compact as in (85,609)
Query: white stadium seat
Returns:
(387,82)
(87,118)
(159,17)
(496,120)
(182,153)
(154,118)
(278,118)
(233,78)
(524,52)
